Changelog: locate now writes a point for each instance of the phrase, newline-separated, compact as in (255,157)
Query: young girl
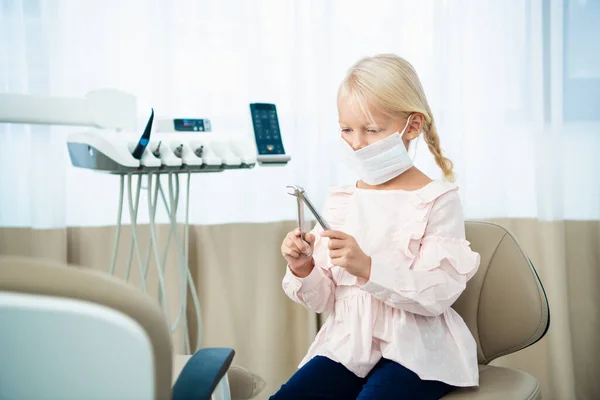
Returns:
(394,261)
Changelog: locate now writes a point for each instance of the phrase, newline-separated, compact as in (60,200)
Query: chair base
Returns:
(497,383)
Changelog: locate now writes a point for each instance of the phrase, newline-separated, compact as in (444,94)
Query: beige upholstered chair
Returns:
(506,309)
(69,333)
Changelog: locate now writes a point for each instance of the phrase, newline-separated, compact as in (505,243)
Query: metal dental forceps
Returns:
(302,199)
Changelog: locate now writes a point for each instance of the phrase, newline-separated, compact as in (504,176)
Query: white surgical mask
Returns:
(381,161)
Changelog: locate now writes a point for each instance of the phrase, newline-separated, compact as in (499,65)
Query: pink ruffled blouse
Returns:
(420,264)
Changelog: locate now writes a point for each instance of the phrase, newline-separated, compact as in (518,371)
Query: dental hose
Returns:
(113,260)
(169,235)
(154,243)
(135,242)
(186,279)
(152,218)
(186,241)
(118,230)
(171,208)
(131,243)
(185,274)
(190,279)
(172,212)
(174,202)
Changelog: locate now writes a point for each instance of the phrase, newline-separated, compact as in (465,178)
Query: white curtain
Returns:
(496,74)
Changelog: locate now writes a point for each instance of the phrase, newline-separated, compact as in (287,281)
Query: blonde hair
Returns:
(391,85)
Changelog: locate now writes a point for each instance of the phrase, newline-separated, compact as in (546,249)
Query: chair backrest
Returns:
(504,304)
(70,333)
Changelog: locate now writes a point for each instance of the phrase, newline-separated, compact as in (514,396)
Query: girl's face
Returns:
(358,131)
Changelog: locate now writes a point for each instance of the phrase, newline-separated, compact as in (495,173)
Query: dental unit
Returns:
(159,156)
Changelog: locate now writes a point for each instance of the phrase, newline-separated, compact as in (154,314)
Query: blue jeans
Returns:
(324,379)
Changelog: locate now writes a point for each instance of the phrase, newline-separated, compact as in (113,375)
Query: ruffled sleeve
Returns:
(316,292)
(430,281)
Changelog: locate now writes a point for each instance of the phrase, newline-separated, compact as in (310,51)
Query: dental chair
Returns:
(70,333)
(67,333)
(506,309)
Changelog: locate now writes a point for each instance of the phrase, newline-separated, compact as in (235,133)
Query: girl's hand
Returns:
(295,253)
(345,252)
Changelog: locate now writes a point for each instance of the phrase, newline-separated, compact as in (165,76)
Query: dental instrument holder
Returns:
(90,150)
(301,200)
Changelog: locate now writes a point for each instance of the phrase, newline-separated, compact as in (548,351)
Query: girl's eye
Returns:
(372,131)
(345,129)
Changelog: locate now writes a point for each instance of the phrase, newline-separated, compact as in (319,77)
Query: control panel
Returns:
(266,129)
(184,125)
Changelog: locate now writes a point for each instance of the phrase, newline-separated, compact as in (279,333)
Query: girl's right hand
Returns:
(295,253)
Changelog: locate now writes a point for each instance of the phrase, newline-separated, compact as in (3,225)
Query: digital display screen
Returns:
(266,128)
(192,125)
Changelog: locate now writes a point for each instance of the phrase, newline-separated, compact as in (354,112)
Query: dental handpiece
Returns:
(178,151)
(144,139)
(156,151)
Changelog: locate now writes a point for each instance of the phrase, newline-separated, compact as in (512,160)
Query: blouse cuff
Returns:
(309,282)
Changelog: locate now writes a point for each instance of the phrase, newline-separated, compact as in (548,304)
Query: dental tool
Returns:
(301,200)
(144,140)
(300,205)
(178,151)
(156,151)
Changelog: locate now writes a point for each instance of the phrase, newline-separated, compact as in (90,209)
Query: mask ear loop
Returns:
(412,148)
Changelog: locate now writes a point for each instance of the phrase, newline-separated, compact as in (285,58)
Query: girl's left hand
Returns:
(345,252)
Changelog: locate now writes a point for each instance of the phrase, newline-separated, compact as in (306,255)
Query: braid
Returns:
(433,142)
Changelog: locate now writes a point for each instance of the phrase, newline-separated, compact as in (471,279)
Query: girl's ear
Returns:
(416,126)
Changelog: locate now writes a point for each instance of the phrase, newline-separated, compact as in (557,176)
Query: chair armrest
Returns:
(202,374)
